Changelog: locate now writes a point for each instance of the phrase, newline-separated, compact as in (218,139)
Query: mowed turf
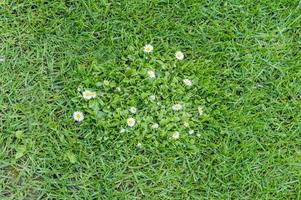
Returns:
(244,58)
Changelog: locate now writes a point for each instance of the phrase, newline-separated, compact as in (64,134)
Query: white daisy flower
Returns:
(187,82)
(175,135)
(177,107)
(155,126)
(2,58)
(191,131)
(179,55)
(151,74)
(200,109)
(78,116)
(139,145)
(87,94)
(133,110)
(131,122)
(148,48)
(152,97)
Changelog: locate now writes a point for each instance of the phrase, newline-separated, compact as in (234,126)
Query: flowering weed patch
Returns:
(152,111)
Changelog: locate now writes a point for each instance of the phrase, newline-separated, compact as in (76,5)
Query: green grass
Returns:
(244,58)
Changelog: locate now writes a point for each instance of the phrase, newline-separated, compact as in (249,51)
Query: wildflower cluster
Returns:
(176,107)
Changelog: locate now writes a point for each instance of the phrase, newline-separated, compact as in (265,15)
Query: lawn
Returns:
(220,121)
